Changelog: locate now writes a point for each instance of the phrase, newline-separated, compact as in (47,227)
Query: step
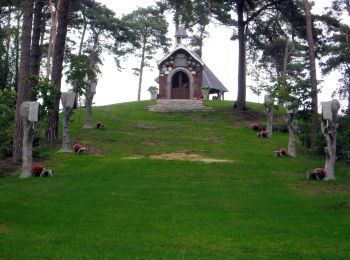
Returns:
(173,105)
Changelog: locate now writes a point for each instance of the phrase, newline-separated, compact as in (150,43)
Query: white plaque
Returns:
(33,111)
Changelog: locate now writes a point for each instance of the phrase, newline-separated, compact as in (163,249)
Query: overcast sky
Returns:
(219,54)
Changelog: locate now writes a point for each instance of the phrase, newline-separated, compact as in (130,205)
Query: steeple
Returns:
(180,34)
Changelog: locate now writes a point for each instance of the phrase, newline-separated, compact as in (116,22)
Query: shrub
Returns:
(7,120)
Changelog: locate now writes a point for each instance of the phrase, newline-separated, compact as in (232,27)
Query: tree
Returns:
(149,27)
(247,13)
(23,90)
(313,77)
(52,121)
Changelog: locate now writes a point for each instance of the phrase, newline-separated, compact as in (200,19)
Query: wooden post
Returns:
(67,100)
(329,129)
(29,115)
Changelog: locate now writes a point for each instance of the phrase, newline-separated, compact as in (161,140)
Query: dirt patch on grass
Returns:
(4,229)
(179,156)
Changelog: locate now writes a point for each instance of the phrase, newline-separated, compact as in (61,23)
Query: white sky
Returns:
(219,53)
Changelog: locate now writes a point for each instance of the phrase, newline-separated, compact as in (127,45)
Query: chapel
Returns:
(182,73)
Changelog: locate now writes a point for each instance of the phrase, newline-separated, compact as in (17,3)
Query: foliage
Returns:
(153,89)
(7,119)
(80,73)
(44,91)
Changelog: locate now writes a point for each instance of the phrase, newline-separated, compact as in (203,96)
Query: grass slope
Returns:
(102,205)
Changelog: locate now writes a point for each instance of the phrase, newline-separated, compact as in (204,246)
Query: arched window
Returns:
(180,80)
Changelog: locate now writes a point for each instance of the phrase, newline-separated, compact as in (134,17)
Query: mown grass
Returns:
(102,205)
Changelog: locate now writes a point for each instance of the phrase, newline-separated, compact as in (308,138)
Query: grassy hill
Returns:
(126,199)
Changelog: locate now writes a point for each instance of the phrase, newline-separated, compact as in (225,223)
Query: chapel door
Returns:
(180,86)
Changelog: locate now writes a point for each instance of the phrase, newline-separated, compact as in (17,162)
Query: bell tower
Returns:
(180,34)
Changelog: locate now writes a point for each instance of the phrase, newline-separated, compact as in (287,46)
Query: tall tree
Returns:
(247,12)
(35,52)
(23,87)
(313,76)
(57,66)
(150,27)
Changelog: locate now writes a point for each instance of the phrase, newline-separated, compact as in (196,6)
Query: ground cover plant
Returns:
(122,201)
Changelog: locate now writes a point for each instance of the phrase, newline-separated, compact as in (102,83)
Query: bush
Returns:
(7,120)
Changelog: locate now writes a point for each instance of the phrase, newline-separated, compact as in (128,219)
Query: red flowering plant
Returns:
(256,127)
(320,173)
(263,133)
(77,147)
(98,124)
(282,151)
(37,169)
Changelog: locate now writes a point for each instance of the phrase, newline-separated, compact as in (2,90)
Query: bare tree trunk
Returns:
(91,89)
(35,54)
(23,91)
(52,121)
(27,157)
(241,94)
(269,124)
(82,38)
(141,69)
(17,48)
(293,130)
(67,114)
(8,41)
(52,39)
(312,58)
(329,130)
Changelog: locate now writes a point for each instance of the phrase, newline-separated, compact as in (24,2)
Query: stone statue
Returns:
(29,112)
(329,129)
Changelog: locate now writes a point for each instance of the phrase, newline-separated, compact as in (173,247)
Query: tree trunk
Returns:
(91,89)
(241,94)
(23,91)
(82,38)
(66,144)
(141,69)
(269,124)
(27,157)
(52,121)
(329,130)
(293,130)
(8,41)
(35,53)
(17,48)
(52,39)
(312,58)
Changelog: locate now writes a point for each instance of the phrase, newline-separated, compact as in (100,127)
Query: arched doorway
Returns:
(180,86)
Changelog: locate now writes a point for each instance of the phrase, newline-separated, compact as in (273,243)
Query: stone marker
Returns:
(329,129)
(29,115)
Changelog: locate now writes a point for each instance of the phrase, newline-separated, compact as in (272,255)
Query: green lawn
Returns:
(117,202)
